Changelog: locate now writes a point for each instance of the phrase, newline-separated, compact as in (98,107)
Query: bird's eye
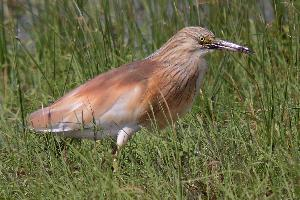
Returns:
(201,40)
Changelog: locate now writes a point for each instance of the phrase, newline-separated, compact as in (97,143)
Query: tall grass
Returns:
(240,141)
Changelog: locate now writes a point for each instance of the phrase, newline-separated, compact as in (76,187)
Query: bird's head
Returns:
(195,42)
(206,41)
(203,40)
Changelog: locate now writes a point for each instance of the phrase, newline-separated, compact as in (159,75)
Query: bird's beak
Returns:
(225,45)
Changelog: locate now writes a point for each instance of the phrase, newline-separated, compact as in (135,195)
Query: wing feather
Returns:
(87,103)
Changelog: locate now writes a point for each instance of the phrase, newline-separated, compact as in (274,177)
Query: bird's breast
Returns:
(187,89)
(175,92)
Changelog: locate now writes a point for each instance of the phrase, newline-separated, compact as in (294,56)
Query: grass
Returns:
(240,141)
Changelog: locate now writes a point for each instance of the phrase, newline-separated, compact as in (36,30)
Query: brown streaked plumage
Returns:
(117,103)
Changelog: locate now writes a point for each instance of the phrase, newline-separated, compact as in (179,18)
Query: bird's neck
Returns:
(177,59)
(180,67)
(177,54)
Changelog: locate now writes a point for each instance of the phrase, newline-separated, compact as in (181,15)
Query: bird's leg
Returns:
(122,139)
(115,164)
(115,150)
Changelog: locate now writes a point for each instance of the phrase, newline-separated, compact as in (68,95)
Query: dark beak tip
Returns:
(250,52)
(246,50)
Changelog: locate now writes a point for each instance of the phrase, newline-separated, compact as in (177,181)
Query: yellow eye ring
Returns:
(201,40)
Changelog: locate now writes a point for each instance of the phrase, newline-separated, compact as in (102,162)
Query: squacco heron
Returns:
(160,88)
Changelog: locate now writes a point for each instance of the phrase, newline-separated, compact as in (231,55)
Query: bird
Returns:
(159,88)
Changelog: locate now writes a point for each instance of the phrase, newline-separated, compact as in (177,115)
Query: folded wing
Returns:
(110,98)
